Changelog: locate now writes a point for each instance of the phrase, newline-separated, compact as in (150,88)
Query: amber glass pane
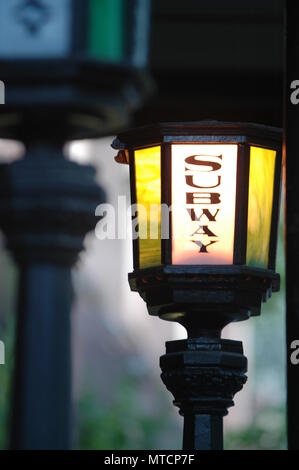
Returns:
(148,192)
(261,182)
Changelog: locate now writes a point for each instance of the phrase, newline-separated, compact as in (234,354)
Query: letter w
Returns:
(211,217)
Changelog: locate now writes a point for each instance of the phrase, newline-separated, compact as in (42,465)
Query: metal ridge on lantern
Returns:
(217,264)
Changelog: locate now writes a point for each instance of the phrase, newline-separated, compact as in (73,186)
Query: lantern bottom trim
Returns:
(204,297)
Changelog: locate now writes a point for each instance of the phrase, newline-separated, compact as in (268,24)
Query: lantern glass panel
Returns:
(118,31)
(203,203)
(148,195)
(260,202)
(106,28)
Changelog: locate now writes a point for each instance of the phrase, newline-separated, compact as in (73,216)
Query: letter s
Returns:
(294,95)
(192,163)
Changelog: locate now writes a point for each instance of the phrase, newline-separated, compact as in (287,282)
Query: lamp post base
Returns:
(203,374)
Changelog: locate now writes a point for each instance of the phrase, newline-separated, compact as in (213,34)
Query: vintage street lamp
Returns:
(213,258)
(72,69)
(79,62)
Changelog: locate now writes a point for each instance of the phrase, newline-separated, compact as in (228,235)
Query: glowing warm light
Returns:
(203,203)
(148,192)
(261,185)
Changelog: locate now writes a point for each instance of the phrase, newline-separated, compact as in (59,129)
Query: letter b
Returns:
(203,198)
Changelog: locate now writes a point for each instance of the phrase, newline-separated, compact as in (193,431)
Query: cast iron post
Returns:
(203,374)
(291,148)
(47,205)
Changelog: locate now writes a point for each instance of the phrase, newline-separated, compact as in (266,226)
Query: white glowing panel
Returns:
(203,203)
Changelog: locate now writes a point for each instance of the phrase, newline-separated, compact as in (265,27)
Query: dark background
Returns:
(216,59)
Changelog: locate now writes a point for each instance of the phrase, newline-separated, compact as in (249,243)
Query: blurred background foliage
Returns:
(8,279)
(266,430)
(123,425)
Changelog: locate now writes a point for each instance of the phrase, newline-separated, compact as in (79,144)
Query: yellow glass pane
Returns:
(261,182)
(148,192)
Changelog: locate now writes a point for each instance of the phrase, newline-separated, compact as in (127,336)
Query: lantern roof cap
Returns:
(240,132)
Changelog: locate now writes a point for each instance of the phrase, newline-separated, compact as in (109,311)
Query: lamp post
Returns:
(212,260)
(72,69)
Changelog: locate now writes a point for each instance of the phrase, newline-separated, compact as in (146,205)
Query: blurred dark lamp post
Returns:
(83,60)
(72,69)
(222,182)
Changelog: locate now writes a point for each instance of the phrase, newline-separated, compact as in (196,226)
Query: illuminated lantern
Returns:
(211,193)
